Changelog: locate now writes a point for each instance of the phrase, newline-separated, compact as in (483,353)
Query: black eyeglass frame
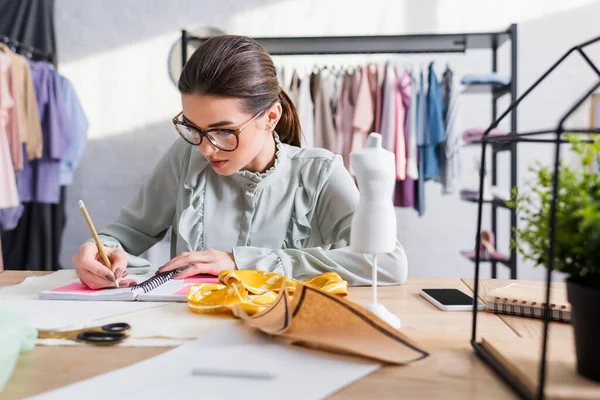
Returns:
(202,133)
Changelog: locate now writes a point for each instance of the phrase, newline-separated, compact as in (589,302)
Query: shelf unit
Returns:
(417,44)
(498,91)
(495,359)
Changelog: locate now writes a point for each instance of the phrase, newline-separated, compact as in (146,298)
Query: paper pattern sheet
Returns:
(169,375)
(55,314)
(317,319)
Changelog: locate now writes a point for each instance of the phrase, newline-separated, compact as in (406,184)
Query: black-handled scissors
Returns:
(105,335)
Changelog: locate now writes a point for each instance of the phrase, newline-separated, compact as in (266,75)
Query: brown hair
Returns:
(237,66)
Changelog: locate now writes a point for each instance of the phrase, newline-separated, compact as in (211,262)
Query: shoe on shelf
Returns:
(487,249)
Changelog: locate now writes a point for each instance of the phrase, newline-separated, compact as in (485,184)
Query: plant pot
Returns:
(585,310)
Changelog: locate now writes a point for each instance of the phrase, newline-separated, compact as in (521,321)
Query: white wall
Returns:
(115,53)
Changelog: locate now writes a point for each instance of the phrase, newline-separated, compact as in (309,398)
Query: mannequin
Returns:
(374,221)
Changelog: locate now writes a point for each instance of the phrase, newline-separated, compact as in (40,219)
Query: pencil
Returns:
(96,237)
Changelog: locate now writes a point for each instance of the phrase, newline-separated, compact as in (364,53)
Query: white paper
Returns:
(301,373)
(55,314)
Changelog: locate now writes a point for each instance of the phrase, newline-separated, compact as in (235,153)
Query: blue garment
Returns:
(493,77)
(421,105)
(436,131)
(79,131)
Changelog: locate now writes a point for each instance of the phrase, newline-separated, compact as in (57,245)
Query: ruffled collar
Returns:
(253,180)
(246,179)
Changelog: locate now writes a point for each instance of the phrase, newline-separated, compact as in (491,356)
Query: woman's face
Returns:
(255,139)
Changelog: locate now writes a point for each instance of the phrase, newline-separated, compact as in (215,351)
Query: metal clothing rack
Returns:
(26,50)
(534,137)
(419,44)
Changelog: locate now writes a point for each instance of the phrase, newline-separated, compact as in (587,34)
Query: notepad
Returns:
(159,288)
(528,301)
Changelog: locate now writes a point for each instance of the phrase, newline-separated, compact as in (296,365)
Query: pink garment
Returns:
(475,134)
(9,196)
(344,117)
(363,111)
(400,149)
(12,126)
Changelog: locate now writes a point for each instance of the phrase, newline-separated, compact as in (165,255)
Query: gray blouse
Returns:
(293,219)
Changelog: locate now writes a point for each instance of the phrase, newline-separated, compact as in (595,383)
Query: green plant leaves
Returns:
(577,233)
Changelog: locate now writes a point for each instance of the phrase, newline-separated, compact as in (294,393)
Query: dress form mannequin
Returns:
(374,221)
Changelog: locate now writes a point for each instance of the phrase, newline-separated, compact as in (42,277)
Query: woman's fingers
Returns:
(118,259)
(202,268)
(94,281)
(188,258)
(127,283)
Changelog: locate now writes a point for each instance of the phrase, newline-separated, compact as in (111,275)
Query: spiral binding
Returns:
(511,308)
(157,280)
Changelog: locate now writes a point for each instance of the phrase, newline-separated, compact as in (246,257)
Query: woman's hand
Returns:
(203,262)
(94,274)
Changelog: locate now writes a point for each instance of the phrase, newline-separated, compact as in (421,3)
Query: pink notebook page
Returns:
(75,287)
(183,291)
(202,279)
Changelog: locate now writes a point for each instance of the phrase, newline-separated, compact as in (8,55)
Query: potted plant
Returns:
(577,242)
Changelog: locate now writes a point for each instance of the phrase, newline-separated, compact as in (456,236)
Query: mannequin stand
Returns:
(379,309)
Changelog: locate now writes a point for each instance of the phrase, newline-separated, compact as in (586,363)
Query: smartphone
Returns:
(450,299)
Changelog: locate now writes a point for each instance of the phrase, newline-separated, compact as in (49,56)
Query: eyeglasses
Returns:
(222,139)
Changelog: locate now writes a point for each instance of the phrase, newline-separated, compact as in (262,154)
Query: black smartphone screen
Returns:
(450,297)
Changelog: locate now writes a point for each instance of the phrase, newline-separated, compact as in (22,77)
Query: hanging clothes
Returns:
(9,196)
(30,22)
(344,117)
(35,242)
(436,134)
(422,143)
(451,171)
(25,119)
(373,73)
(412,165)
(405,186)
(294,89)
(388,110)
(78,124)
(39,181)
(363,116)
(325,134)
(306,114)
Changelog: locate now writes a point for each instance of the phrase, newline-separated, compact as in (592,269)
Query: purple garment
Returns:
(39,181)
(404,195)
(9,217)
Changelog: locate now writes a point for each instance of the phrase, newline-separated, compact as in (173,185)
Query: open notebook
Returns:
(160,287)
(528,301)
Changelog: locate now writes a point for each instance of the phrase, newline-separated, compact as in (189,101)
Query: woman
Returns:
(237,189)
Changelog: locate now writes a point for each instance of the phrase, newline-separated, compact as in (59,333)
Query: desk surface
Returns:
(452,366)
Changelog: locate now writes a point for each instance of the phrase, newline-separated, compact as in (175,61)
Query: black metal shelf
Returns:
(497,90)
(506,262)
(534,136)
(556,138)
(378,44)
(496,147)
(497,202)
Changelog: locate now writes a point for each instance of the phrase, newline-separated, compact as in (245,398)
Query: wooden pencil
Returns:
(95,235)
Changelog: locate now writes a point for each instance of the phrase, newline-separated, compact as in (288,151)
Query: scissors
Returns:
(105,335)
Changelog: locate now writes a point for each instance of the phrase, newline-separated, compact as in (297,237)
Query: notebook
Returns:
(528,301)
(158,288)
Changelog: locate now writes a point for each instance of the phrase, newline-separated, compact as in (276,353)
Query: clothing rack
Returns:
(421,44)
(26,50)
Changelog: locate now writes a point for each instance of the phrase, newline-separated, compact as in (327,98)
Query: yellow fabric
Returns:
(253,290)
